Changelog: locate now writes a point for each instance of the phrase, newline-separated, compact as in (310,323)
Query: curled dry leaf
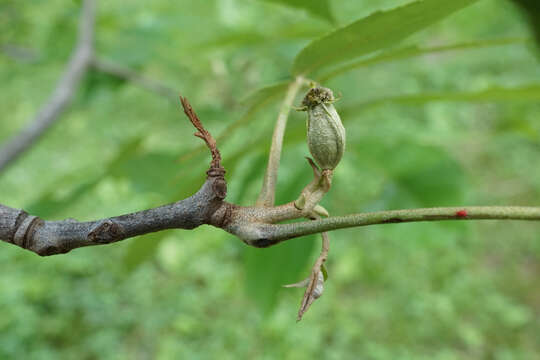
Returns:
(314,284)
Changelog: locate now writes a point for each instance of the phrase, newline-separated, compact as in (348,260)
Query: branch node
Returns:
(26,229)
(105,232)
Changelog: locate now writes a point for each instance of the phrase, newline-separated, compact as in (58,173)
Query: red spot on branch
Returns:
(461,213)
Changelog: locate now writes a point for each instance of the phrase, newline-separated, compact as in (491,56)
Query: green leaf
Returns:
(49,204)
(244,38)
(236,39)
(245,179)
(375,32)
(267,270)
(494,94)
(421,176)
(149,172)
(428,174)
(532,9)
(319,8)
(265,94)
(412,51)
(142,249)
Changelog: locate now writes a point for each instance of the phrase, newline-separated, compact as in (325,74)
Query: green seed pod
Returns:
(325,132)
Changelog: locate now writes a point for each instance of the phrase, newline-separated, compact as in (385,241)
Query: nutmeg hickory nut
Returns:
(325,132)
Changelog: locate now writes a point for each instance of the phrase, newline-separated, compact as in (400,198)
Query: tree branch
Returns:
(56,237)
(268,191)
(62,95)
(256,226)
(264,235)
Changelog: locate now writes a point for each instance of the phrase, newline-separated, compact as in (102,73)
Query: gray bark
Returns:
(56,237)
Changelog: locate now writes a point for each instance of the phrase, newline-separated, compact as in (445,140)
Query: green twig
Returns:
(268,191)
(271,234)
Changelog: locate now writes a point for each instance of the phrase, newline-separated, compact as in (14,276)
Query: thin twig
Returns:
(62,95)
(133,77)
(19,53)
(268,191)
(264,235)
(202,133)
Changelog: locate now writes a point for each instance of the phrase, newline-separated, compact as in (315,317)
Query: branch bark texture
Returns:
(56,237)
(63,93)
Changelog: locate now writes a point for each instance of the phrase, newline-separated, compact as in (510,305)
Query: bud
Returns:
(325,133)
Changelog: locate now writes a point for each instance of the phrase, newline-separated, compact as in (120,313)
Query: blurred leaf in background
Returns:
(320,8)
(532,11)
(441,104)
(377,31)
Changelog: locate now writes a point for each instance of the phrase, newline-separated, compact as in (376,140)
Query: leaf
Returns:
(149,172)
(265,94)
(49,204)
(319,8)
(142,249)
(428,174)
(529,92)
(532,9)
(268,269)
(412,51)
(236,39)
(245,179)
(421,176)
(245,38)
(374,32)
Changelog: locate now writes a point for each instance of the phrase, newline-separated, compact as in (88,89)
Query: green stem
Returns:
(268,191)
(275,233)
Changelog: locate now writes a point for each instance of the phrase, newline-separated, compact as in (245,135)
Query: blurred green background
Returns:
(444,128)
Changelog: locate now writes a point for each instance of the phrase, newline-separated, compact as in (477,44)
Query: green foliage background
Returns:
(425,127)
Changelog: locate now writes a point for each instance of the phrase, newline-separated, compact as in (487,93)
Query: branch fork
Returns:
(258,226)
